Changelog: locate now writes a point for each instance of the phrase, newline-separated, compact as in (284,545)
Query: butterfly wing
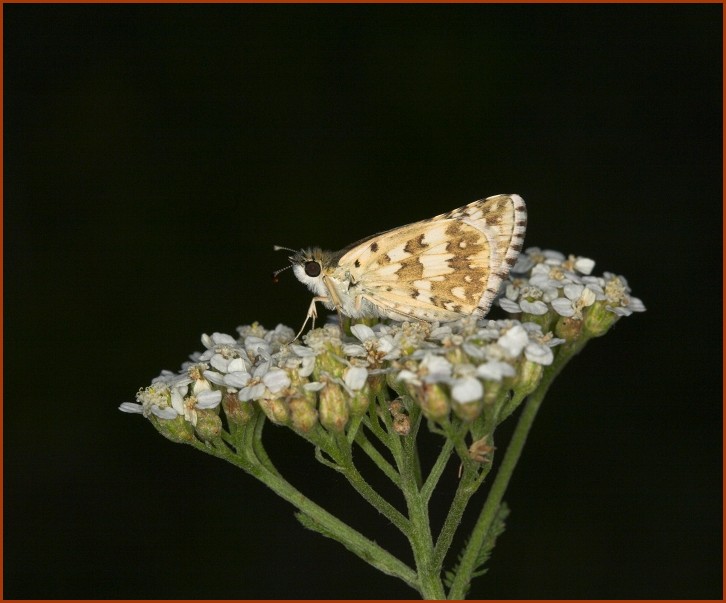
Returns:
(443,268)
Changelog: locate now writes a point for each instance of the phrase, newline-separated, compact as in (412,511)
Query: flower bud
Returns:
(360,401)
(296,379)
(276,410)
(568,328)
(209,425)
(528,377)
(492,391)
(177,430)
(396,407)
(467,411)
(434,402)
(237,412)
(303,414)
(599,319)
(333,408)
(330,362)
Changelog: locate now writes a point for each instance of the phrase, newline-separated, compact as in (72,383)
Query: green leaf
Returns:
(497,527)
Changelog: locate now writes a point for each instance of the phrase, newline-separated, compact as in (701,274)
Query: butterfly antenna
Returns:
(274,274)
(281,248)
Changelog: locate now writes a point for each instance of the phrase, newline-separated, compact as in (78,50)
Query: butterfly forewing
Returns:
(442,268)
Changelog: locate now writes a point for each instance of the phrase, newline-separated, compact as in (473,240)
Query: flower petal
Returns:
(237,379)
(276,380)
(355,377)
(314,386)
(514,340)
(362,332)
(209,398)
(467,390)
(538,353)
(164,413)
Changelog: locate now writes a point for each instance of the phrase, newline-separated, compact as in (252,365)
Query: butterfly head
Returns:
(309,266)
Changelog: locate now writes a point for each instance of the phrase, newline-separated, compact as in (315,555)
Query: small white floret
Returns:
(163,413)
(537,308)
(355,377)
(237,379)
(495,370)
(214,377)
(514,340)
(209,399)
(236,365)
(276,380)
(354,349)
(538,353)
(584,265)
(467,390)
(362,332)
(219,362)
(563,306)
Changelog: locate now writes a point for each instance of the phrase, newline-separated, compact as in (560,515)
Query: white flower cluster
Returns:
(286,378)
(544,280)
(174,394)
(467,354)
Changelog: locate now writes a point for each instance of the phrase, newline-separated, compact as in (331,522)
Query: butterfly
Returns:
(440,269)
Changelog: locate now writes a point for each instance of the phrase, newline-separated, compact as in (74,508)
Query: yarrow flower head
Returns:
(474,363)
(177,402)
(546,287)
(331,379)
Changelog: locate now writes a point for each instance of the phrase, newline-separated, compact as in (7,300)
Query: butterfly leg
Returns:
(335,299)
(312,313)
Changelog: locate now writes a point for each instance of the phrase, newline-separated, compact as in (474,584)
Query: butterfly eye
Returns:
(312,268)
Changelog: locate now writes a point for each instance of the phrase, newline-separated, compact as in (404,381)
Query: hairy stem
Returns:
(324,521)
(460,584)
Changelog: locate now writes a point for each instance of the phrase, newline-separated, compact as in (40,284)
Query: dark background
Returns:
(153,156)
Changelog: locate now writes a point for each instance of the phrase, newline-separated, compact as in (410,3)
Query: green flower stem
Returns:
(353,540)
(456,431)
(258,448)
(510,406)
(468,485)
(392,439)
(430,585)
(371,496)
(372,423)
(437,470)
(415,418)
(377,458)
(460,585)
(338,448)
(322,440)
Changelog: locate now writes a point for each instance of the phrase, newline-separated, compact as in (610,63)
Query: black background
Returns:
(153,156)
